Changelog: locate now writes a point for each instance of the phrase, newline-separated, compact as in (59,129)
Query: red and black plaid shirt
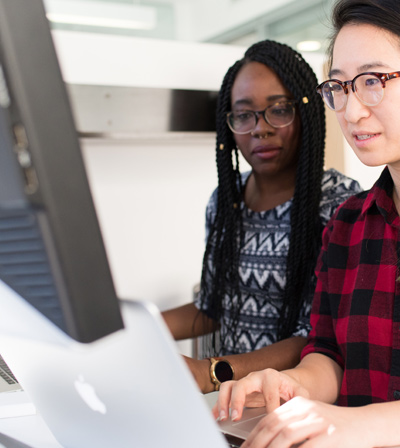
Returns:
(356,310)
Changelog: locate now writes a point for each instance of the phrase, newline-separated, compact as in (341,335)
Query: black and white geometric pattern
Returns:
(262,265)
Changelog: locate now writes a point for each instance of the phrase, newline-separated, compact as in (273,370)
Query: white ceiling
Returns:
(238,22)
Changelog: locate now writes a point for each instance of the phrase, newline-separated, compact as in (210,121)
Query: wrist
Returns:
(205,383)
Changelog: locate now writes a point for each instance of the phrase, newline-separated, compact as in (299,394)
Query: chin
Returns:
(371,160)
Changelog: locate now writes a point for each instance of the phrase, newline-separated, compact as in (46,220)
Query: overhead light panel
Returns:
(101,14)
(309,45)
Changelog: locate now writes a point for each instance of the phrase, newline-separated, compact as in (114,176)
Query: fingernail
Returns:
(222,415)
(234,415)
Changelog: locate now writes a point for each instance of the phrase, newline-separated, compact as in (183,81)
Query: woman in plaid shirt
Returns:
(345,391)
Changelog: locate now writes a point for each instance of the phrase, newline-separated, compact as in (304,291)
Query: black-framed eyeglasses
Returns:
(368,87)
(277,115)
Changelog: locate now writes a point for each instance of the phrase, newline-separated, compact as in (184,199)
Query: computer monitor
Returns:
(51,249)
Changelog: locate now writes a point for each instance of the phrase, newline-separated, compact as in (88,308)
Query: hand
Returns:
(267,388)
(312,424)
(201,371)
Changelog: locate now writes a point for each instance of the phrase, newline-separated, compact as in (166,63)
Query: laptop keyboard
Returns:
(233,442)
(6,373)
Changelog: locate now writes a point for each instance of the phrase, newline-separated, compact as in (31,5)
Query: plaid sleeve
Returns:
(322,338)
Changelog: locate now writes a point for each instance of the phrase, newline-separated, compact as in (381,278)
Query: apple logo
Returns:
(89,396)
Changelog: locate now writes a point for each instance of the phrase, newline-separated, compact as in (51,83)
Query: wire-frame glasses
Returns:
(277,115)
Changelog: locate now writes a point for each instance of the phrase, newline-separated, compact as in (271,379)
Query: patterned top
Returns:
(356,312)
(262,265)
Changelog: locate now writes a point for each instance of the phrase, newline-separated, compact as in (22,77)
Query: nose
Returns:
(262,126)
(355,110)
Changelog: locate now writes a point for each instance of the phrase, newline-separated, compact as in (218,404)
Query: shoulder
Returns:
(345,218)
(211,208)
(213,201)
(335,183)
(336,188)
(351,209)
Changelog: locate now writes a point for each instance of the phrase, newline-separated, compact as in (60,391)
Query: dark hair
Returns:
(225,237)
(381,13)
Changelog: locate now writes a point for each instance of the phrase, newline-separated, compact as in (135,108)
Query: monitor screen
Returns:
(51,249)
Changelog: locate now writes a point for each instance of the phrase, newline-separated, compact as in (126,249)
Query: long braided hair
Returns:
(220,274)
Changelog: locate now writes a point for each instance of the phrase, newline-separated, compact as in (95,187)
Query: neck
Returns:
(266,192)
(395,173)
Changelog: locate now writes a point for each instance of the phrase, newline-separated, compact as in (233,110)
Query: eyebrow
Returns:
(247,101)
(362,68)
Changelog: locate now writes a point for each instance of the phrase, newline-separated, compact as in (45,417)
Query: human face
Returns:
(268,150)
(373,132)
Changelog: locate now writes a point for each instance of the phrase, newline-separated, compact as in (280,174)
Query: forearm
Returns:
(187,322)
(320,376)
(380,423)
(279,356)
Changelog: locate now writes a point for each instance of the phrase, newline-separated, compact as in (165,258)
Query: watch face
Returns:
(223,371)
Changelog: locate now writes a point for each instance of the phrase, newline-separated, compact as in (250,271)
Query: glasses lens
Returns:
(369,89)
(333,95)
(242,122)
(280,115)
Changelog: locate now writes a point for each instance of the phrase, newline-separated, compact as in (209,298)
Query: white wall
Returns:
(110,60)
(151,196)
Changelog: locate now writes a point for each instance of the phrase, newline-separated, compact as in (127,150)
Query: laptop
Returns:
(128,389)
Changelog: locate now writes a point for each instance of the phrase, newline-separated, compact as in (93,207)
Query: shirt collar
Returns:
(381,196)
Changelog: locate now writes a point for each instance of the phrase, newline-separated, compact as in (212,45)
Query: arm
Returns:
(281,355)
(320,376)
(187,322)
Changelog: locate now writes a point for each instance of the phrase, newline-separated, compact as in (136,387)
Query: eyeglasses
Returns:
(277,115)
(368,87)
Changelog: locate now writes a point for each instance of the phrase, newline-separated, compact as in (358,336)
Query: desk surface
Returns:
(19,419)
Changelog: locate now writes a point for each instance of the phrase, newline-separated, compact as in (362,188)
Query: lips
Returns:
(265,148)
(363,135)
(266,152)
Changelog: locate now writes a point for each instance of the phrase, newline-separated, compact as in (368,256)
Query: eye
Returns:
(333,87)
(243,115)
(281,110)
(371,81)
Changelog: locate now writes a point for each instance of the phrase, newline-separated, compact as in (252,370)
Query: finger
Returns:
(246,392)
(266,429)
(299,432)
(221,408)
(261,435)
(238,400)
(271,387)
(297,421)
(284,428)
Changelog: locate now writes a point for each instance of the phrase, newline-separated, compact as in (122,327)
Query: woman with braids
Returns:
(264,226)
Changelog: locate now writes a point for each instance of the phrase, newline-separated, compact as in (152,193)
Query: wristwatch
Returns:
(220,371)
